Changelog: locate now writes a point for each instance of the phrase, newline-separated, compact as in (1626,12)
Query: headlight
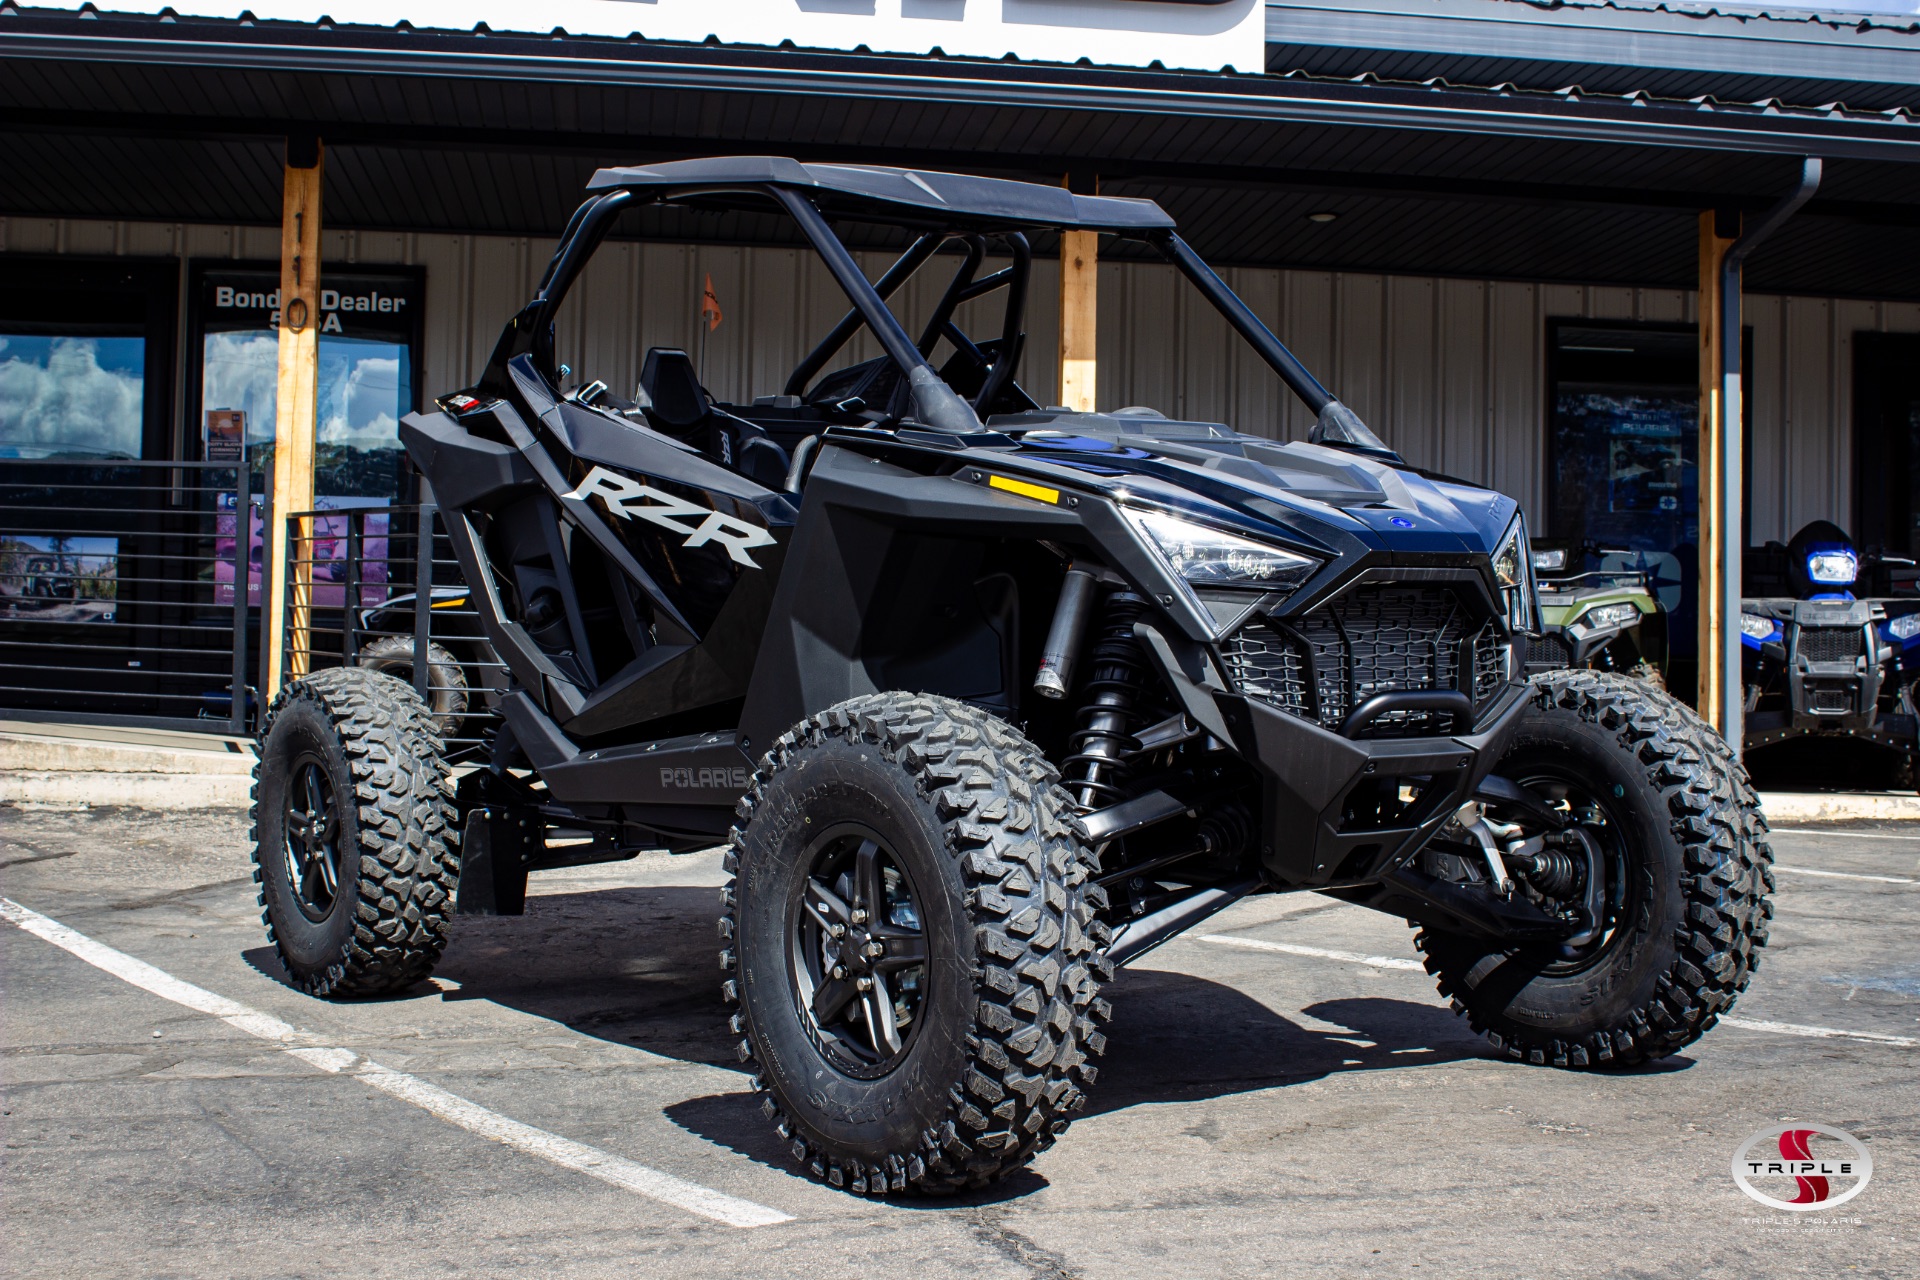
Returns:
(1624,614)
(1904,627)
(1507,565)
(1832,568)
(1205,557)
(1752,624)
(1549,559)
(1513,570)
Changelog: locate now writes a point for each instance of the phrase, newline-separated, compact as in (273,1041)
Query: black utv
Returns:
(986,698)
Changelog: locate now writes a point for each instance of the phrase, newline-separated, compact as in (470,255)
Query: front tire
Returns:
(352,811)
(914,853)
(1687,884)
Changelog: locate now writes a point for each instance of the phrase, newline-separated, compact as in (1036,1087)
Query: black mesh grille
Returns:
(1370,640)
(1546,653)
(1264,664)
(1832,644)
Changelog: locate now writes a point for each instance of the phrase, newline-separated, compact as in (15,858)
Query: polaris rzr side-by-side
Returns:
(987,698)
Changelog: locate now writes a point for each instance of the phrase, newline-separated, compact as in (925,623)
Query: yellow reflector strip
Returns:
(448,604)
(1037,492)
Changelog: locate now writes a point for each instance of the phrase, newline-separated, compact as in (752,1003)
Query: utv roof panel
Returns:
(885,194)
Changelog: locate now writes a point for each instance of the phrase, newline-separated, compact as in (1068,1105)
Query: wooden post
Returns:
(1716,237)
(1079,308)
(285,612)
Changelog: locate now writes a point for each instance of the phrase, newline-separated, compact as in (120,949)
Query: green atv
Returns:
(1604,619)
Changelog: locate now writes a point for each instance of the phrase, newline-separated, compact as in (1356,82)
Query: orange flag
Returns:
(710,306)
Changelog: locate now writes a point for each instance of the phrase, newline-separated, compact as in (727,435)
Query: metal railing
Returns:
(120,595)
(370,578)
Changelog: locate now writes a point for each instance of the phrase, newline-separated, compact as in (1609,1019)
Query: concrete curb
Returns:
(1796,806)
(78,789)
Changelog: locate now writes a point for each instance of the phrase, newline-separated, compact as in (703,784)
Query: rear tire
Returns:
(1691,882)
(974,846)
(353,854)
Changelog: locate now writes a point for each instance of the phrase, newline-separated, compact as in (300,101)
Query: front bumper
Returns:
(1340,811)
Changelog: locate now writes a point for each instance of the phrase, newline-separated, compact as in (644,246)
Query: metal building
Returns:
(1455,210)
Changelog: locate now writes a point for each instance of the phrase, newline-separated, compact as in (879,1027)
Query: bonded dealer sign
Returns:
(1204,35)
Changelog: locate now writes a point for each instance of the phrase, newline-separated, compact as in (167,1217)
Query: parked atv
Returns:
(1818,661)
(1604,619)
(987,699)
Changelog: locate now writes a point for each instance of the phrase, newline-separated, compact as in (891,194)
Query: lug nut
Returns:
(876,950)
(859,915)
(839,972)
(864,984)
(837,931)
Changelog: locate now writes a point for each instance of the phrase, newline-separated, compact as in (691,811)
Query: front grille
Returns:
(1832,644)
(1829,702)
(1367,641)
(1264,664)
(1546,653)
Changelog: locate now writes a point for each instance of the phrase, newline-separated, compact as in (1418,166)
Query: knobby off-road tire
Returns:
(1682,945)
(996,1062)
(447,693)
(351,775)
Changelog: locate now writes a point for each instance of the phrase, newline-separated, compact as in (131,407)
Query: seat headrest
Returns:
(669,380)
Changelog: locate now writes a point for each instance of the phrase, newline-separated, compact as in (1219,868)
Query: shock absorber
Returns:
(1116,667)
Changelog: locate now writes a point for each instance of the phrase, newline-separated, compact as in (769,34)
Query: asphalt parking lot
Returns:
(1281,1094)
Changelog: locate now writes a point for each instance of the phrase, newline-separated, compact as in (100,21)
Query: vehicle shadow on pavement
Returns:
(638,966)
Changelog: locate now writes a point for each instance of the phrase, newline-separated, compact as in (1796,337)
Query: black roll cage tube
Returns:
(594,218)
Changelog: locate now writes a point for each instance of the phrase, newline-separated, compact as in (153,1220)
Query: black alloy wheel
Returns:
(312,841)
(859,952)
(353,849)
(1595,814)
(1683,844)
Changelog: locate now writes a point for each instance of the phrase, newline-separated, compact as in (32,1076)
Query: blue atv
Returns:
(1821,661)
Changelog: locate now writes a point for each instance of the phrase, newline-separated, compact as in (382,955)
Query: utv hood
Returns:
(1326,494)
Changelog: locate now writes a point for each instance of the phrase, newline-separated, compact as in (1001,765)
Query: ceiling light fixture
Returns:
(1322,216)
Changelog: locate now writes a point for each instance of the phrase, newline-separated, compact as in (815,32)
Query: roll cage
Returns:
(940,207)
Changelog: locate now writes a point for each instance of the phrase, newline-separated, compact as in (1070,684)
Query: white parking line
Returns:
(1844,875)
(1317,953)
(1395,962)
(452,1108)
(1841,835)
(1817,1033)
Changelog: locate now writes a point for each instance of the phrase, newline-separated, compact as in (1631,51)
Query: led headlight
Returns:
(1904,627)
(1624,614)
(1752,624)
(1513,571)
(1832,568)
(1206,557)
(1549,559)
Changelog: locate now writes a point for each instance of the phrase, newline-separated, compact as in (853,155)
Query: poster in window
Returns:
(225,435)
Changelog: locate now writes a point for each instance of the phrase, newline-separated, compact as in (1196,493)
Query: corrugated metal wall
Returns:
(1450,372)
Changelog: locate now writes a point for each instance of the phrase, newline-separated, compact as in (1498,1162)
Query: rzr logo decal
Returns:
(699,525)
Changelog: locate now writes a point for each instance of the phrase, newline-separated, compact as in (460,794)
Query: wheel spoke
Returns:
(904,949)
(868,891)
(830,998)
(886,1034)
(329,873)
(316,802)
(825,906)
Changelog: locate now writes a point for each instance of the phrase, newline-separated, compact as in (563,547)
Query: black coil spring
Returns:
(1116,670)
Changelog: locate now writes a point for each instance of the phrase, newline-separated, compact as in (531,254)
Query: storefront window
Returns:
(71,395)
(1625,436)
(368,343)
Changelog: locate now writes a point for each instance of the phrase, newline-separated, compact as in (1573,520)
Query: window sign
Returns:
(369,342)
(368,323)
(71,394)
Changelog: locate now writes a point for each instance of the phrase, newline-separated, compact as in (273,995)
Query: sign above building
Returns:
(1209,35)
